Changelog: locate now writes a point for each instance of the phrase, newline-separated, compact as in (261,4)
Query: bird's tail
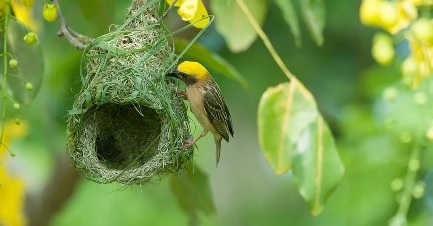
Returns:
(218,150)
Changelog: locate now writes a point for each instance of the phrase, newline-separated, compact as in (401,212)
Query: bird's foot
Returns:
(182,94)
(188,143)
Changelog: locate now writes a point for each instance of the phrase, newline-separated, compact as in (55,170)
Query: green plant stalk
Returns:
(409,183)
(5,71)
(265,39)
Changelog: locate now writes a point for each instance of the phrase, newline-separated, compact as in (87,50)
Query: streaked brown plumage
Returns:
(206,103)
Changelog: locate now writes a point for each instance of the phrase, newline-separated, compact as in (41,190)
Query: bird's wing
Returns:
(217,111)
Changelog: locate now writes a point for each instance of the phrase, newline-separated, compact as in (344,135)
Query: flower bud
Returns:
(13,63)
(383,51)
(49,12)
(419,190)
(397,184)
(17,106)
(29,86)
(30,38)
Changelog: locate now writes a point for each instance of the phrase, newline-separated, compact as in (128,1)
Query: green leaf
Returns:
(232,24)
(212,60)
(98,12)
(317,167)
(289,15)
(313,12)
(193,193)
(284,112)
(293,134)
(30,64)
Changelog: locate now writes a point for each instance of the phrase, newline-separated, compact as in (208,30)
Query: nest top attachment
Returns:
(127,121)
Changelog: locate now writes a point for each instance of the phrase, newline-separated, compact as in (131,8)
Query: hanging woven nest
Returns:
(126,122)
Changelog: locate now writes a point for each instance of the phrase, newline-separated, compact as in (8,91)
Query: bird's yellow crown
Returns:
(193,69)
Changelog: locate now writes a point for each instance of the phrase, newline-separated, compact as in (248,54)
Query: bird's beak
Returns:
(173,73)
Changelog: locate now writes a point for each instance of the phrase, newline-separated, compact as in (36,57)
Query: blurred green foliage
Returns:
(340,74)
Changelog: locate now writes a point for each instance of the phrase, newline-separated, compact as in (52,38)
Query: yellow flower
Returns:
(192,11)
(12,199)
(422,30)
(11,189)
(187,9)
(370,13)
(391,16)
(24,14)
(419,65)
(407,12)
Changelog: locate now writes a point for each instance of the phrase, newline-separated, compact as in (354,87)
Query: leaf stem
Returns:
(409,185)
(5,74)
(265,39)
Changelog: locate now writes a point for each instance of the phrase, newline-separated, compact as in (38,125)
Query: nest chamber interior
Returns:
(126,122)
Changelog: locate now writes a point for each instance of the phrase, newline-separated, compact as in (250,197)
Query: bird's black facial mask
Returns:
(173,74)
(189,80)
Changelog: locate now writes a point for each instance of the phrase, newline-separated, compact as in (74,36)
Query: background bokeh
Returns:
(342,76)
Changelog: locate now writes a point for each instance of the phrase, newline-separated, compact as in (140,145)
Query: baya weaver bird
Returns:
(206,103)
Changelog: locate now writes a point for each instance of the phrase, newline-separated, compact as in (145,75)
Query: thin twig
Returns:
(78,35)
(164,15)
(409,186)
(77,40)
(265,39)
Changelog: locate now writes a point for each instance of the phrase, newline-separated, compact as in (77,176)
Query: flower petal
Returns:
(199,14)
(188,9)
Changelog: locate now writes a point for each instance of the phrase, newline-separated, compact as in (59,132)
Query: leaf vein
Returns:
(319,162)
(286,118)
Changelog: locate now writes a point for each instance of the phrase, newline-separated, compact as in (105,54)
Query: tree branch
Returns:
(79,41)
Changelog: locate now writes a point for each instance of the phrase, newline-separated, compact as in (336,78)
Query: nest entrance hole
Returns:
(125,137)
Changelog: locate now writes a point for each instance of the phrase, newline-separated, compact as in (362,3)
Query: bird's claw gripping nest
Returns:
(182,94)
(188,143)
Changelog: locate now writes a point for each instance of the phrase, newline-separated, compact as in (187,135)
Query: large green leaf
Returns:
(210,59)
(30,64)
(289,15)
(317,167)
(232,24)
(293,134)
(284,112)
(313,12)
(193,193)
